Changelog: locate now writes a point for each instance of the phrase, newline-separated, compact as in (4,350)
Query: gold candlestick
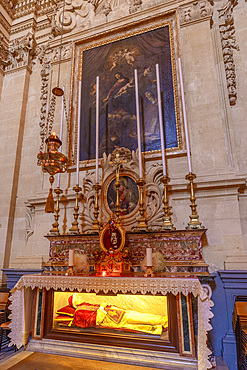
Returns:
(55,229)
(70,271)
(194,217)
(74,229)
(142,223)
(95,226)
(167,221)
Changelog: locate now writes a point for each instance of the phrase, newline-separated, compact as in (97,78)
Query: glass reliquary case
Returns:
(152,322)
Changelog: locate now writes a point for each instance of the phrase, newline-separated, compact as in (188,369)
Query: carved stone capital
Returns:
(21,52)
(195,12)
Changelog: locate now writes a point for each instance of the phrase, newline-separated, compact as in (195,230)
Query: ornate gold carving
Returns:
(228,43)
(112,227)
(196,11)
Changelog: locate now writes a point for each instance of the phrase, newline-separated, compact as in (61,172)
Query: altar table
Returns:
(23,296)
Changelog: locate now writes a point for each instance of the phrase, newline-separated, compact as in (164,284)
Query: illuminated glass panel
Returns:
(131,314)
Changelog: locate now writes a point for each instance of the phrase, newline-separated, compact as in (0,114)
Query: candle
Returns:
(78,135)
(61,138)
(149,257)
(71,257)
(161,121)
(185,117)
(97,130)
(138,125)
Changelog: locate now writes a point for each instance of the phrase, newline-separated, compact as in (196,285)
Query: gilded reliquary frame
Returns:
(118,49)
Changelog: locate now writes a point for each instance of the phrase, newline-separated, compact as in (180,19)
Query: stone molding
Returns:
(5,23)
(229,44)
(21,52)
(196,11)
(31,24)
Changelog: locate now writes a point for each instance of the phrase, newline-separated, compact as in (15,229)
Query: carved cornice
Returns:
(30,25)
(195,12)
(228,43)
(26,7)
(8,5)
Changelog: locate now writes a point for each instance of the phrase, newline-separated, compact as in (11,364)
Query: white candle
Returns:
(138,125)
(149,257)
(185,117)
(161,121)
(78,135)
(71,257)
(97,130)
(61,137)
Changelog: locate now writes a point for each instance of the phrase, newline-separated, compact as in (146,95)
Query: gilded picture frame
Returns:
(117,53)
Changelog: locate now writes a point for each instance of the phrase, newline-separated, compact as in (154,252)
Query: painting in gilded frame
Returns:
(114,63)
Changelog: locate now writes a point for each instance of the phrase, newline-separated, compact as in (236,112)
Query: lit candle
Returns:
(71,257)
(61,138)
(161,121)
(78,135)
(185,117)
(149,257)
(97,130)
(138,125)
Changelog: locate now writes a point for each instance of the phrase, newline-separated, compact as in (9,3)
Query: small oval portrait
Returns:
(128,195)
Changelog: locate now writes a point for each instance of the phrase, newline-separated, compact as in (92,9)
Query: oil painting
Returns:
(114,63)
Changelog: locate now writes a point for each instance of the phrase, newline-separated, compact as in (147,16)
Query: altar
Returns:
(183,342)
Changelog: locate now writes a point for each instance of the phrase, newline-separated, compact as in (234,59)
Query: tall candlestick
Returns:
(61,137)
(138,125)
(149,257)
(71,257)
(78,135)
(97,130)
(185,117)
(161,121)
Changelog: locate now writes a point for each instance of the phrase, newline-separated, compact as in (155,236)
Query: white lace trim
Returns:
(22,321)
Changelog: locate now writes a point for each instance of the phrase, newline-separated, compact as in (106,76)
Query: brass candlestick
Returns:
(95,226)
(142,223)
(167,221)
(55,229)
(194,217)
(74,229)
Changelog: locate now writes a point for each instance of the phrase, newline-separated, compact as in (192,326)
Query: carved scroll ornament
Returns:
(228,43)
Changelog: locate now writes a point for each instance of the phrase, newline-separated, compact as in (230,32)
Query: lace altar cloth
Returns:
(23,296)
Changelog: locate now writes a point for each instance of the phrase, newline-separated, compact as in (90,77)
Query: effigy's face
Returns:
(114,238)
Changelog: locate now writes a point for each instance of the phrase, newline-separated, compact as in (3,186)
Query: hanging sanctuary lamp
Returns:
(52,160)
